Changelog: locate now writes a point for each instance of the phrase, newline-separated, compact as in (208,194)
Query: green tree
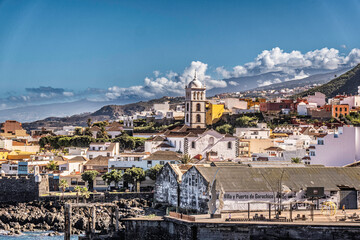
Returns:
(113,176)
(226,128)
(154,171)
(77,189)
(102,133)
(78,131)
(185,159)
(134,176)
(87,132)
(88,122)
(63,186)
(295,160)
(246,121)
(89,177)
(85,193)
(52,166)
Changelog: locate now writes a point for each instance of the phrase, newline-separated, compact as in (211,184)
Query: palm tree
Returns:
(185,159)
(77,189)
(85,193)
(63,185)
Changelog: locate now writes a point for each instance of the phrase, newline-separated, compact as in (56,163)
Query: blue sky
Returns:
(87,48)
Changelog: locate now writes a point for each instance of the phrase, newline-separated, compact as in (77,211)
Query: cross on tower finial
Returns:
(195,76)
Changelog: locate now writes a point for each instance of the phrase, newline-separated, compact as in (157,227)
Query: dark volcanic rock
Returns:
(50,216)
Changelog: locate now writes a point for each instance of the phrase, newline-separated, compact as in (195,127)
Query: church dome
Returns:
(195,83)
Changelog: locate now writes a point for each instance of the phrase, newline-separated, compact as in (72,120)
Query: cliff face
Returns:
(346,83)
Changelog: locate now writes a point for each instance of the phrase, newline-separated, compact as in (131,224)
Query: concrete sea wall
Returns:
(176,229)
(22,188)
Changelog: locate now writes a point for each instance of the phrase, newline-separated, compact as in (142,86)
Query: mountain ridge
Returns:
(346,83)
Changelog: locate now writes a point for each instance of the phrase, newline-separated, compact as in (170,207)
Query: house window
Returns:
(108,154)
(172,162)
(229,145)
(81,183)
(312,154)
(149,162)
(162,162)
(320,142)
(188,107)
(187,117)
(74,181)
(22,168)
(63,169)
(198,118)
(198,107)
(90,156)
(100,182)
(193,144)
(211,141)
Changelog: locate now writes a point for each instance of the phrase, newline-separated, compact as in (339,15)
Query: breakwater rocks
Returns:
(33,216)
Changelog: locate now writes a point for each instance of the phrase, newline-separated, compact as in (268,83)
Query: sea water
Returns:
(33,236)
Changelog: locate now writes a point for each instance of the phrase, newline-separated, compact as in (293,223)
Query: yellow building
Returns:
(214,113)
(19,155)
(3,154)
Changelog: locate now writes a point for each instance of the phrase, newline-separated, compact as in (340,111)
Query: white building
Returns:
(337,149)
(162,107)
(124,161)
(259,132)
(318,98)
(212,145)
(235,103)
(105,149)
(352,101)
(66,131)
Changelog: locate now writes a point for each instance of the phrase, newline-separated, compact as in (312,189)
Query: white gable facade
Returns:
(212,145)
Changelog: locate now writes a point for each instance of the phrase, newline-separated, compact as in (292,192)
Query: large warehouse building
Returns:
(236,186)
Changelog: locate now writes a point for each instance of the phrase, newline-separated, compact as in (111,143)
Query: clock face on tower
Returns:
(195,103)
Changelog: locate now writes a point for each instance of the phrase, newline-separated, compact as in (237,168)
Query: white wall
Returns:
(338,149)
(203,145)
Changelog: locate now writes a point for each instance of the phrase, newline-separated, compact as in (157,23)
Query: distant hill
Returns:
(109,112)
(36,112)
(314,79)
(346,83)
(241,84)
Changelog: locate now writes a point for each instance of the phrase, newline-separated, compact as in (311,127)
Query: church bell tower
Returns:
(195,104)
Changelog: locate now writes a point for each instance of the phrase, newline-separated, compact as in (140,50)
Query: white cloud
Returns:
(156,73)
(170,84)
(233,83)
(68,94)
(291,63)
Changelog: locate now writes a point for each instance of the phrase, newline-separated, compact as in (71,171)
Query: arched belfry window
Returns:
(198,107)
(198,118)
(188,107)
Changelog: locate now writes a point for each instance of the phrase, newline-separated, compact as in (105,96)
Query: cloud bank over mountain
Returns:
(283,65)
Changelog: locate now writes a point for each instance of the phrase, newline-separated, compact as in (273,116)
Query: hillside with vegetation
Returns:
(109,112)
(346,83)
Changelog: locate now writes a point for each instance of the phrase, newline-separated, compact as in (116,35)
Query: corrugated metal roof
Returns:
(238,179)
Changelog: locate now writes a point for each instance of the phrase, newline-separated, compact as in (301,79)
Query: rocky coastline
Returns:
(49,216)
